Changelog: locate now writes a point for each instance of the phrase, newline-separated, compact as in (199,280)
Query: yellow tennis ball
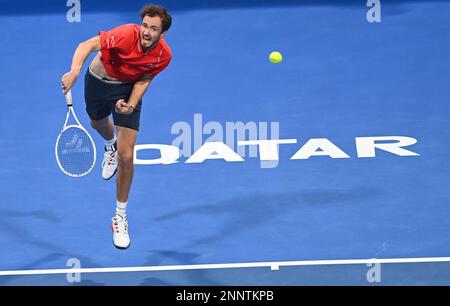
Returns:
(275,57)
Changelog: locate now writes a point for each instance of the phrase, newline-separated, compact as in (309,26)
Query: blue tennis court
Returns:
(362,174)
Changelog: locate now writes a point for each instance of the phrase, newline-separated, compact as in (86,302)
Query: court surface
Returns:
(341,77)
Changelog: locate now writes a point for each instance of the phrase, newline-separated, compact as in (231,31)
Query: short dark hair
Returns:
(153,10)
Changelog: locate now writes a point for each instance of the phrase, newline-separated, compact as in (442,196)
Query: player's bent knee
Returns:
(97,124)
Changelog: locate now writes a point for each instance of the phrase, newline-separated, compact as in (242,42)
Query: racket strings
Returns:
(75,151)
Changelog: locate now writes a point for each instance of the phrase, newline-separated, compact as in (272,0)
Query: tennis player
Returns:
(129,57)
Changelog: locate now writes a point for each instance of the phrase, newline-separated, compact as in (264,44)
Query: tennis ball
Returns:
(275,57)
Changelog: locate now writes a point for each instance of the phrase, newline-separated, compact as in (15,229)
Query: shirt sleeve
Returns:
(119,38)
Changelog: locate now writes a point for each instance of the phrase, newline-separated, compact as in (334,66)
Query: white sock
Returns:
(111,142)
(121,209)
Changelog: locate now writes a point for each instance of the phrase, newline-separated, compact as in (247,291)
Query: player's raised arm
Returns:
(81,54)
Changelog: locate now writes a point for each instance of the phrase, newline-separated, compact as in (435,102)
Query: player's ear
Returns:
(163,34)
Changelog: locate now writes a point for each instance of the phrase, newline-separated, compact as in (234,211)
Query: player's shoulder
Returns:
(127,29)
(132,27)
(165,46)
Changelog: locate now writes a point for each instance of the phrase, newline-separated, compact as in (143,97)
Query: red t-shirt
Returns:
(124,58)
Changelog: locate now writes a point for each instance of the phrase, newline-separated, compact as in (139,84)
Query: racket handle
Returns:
(69,98)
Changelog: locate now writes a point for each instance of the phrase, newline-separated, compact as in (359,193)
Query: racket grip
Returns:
(69,98)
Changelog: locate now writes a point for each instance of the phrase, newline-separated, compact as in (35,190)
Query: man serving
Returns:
(129,57)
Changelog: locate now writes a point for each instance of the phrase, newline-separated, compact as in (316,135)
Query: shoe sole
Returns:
(107,179)
(121,248)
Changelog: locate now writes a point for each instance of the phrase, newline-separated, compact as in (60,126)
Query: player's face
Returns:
(150,31)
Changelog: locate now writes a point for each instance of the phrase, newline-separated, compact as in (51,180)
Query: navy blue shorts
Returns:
(101,97)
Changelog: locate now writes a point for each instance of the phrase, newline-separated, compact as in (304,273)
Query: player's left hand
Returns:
(123,107)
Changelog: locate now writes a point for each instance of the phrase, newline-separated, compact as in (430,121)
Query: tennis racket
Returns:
(74,149)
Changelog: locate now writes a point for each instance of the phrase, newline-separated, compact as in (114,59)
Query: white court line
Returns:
(272,265)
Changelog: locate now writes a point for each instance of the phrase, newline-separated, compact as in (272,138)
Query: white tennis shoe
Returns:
(121,239)
(110,162)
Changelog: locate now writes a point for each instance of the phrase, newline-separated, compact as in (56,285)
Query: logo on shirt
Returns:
(148,65)
(110,43)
